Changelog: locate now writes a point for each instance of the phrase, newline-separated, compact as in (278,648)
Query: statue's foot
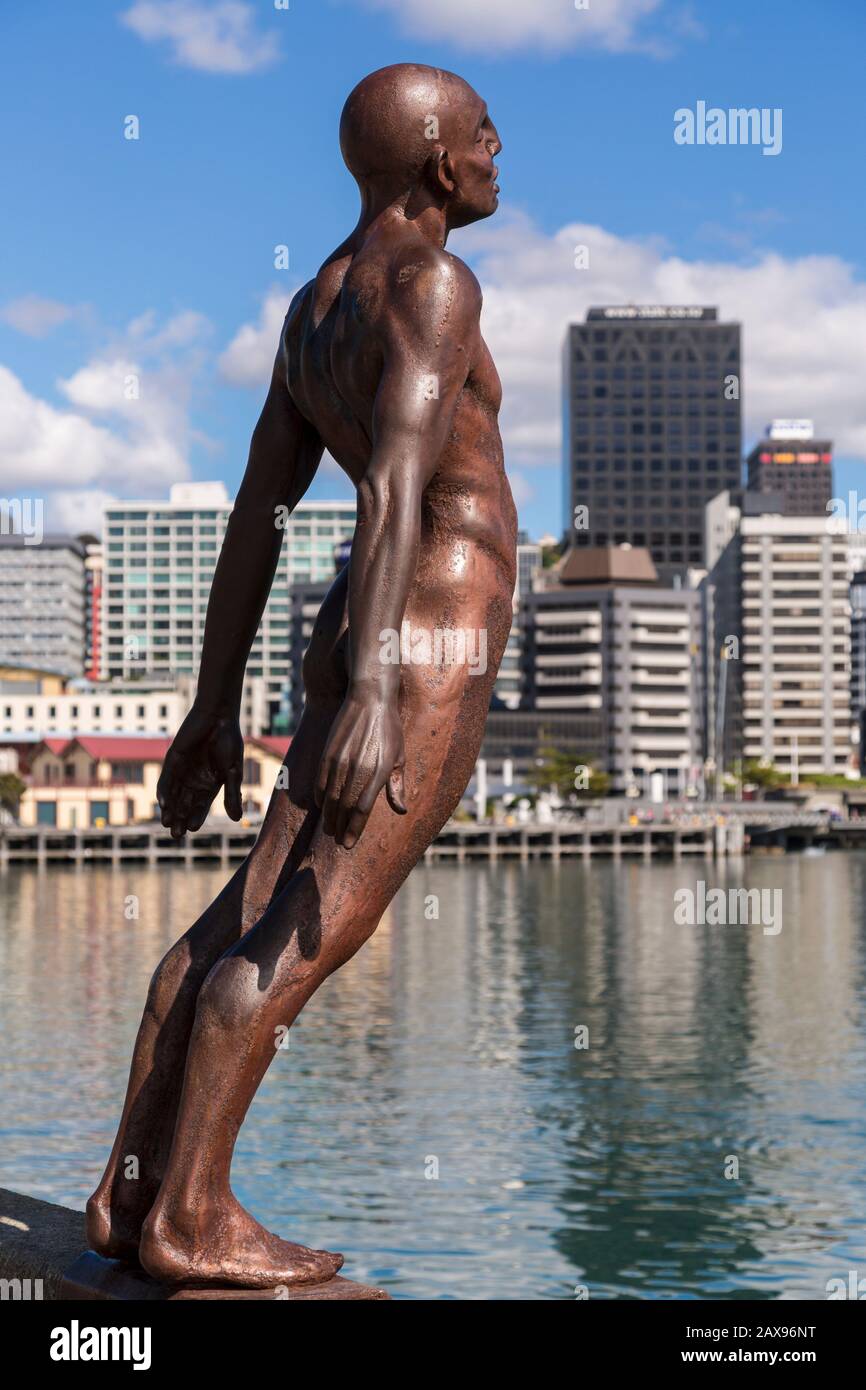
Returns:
(112,1231)
(227,1246)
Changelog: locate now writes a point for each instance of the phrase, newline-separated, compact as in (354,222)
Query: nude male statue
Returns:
(381,361)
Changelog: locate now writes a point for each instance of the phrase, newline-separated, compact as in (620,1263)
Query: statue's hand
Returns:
(207,753)
(364,753)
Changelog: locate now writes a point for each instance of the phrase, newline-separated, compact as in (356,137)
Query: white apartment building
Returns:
(42,603)
(508,682)
(114,708)
(795,643)
(145,708)
(605,640)
(159,563)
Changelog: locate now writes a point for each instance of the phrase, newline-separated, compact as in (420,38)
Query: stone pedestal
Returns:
(44,1255)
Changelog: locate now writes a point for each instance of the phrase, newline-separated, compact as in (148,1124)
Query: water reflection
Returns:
(447,1046)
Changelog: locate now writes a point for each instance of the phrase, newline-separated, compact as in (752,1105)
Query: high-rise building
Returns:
(305,600)
(652,427)
(42,606)
(159,563)
(93,574)
(603,638)
(857,595)
(791,463)
(781,633)
(507,687)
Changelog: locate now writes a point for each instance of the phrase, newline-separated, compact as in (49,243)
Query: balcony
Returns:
(81,784)
(660,743)
(677,637)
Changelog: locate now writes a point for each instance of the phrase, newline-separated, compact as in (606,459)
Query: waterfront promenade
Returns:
(609,829)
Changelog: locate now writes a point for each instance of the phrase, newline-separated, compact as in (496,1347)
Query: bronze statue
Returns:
(381,360)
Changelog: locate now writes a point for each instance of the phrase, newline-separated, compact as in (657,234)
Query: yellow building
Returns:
(98,781)
(32,680)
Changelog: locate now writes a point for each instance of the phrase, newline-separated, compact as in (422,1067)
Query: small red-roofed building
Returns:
(104,780)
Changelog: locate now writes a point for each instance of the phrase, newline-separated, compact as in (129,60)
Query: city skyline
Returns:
(166,271)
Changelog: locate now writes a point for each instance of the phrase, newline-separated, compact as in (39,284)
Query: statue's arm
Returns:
(285,452)
(207,752)
(428,341)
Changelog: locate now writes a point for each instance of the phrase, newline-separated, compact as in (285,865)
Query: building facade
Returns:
(93,575)
(605,640)
(507,688)
(42,603)
(160,559)
(652,427)
(792,464)
(782,611)
(36,706)
(305,600)
(114,707)
(89,782)
(857,598)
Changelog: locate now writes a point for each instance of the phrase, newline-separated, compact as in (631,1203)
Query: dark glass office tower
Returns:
(791,462)
(652,427)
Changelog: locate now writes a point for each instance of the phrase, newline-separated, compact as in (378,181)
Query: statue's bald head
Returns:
(393,118)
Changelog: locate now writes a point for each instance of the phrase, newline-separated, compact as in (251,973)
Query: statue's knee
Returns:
(167,983)
(228,1000)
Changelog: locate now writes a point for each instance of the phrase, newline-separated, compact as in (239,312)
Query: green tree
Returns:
(11,791)
(764,775)
(571,774)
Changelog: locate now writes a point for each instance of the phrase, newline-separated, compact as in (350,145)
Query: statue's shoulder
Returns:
(299,304)
(423,277)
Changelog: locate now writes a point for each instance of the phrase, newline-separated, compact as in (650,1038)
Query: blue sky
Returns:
(155,257)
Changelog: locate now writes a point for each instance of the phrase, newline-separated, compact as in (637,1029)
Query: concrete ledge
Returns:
(40,1241)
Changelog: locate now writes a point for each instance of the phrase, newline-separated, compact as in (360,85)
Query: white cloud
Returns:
(123,429)
(212,37)
(804,324)
(73,513)
(487,26)
(43,447)
(34,315)
(804,327)
(249,358)
(521,488)
(182,330)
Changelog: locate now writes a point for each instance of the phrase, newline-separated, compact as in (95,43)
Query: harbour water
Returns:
(433,1117)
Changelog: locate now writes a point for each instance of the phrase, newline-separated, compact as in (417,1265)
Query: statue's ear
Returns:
(440,170)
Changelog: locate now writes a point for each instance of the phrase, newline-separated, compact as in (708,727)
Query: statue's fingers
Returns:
(332,798)
(320,788)
(360,813)
(396,792)
(168,805)
(354,828)
(198,813)
(352,787)
(180,813)
(232,797)
(167,779)
(165,795)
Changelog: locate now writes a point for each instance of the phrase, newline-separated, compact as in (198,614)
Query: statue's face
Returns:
(471,148)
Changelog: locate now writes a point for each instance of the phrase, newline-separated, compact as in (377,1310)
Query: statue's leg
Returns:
(197,1231)
(135,1167)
